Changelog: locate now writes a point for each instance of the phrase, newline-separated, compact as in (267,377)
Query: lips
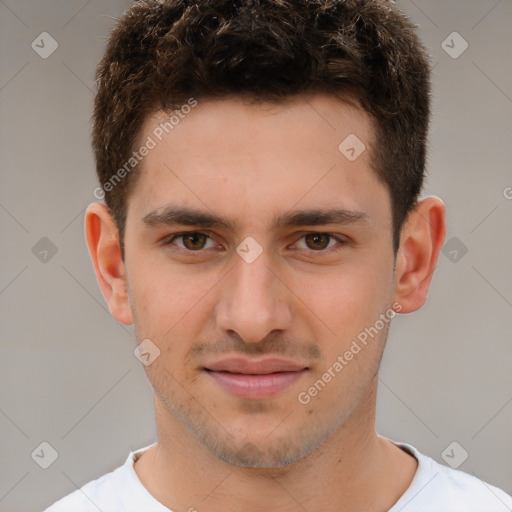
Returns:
(262,367)
(255,379)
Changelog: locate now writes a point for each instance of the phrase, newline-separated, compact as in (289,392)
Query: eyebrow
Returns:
(193,217)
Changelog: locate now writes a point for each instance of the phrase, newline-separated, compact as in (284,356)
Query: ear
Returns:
(421,241)
(103,242)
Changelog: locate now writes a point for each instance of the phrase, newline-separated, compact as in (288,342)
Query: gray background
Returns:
(68,373)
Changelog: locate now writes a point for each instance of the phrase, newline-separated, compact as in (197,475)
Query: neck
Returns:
(354,469)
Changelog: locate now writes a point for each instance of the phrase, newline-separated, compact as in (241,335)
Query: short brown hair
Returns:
(162,53)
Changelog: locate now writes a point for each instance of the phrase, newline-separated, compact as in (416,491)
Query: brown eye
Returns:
(317,241)
(323,243)
(194,241)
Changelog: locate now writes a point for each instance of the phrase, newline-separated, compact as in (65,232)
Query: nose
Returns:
(254,301)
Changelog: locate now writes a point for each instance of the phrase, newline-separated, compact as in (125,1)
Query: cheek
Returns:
(166,295)
(171,308)
(352,298)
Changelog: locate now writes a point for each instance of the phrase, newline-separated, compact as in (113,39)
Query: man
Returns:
(261,164)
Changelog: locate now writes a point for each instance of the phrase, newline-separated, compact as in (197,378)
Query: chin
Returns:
(262,453)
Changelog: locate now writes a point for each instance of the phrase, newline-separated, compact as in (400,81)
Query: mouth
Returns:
(255,379)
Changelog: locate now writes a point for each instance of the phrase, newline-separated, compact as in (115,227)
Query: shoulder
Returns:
(98,494)
(117,491)
(438,487)
(470,491)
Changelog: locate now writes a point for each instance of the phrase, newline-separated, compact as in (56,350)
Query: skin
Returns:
(216,451)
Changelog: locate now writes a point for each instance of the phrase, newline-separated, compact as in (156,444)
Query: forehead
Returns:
(212,125)
(253,159)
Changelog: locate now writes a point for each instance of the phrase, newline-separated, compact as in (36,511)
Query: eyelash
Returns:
(341,241)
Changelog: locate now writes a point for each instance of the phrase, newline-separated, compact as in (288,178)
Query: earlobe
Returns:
(103,242)
(421,241)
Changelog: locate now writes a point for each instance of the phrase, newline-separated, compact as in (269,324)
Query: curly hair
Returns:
(162,53)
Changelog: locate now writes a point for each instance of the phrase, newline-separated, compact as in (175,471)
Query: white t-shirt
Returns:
(435,488)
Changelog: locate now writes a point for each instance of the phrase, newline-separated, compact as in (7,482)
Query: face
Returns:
(259,261)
